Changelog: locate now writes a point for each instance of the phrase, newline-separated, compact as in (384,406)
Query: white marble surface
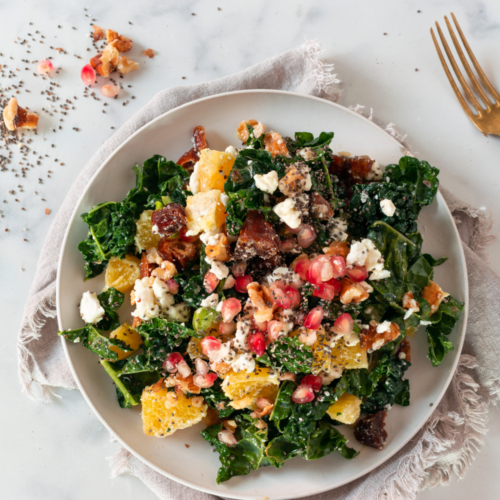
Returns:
(59,450)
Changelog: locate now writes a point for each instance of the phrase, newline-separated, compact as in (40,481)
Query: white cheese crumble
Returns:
(380,275)
(402,355)
(210,301)
(375,173)
(365,253)
(243,362)
(387,207)
(267,182)
(287,212)
(224,199)
(425,323)
(308,184)
(232,151)
(219,269)
(339,228)
(194,180)
(145,300)
(210,238)
(163,297)
(383,327)
(243,328)
(409,313)
(229,283)
(364,197)
(307,154)
(91,310)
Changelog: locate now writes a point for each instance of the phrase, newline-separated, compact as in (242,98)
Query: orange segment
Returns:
(144,236)
(346,410)
(205,212)
(213,169)
(129,336)
(122,273)
(348,357)
(164,412)
(321,351)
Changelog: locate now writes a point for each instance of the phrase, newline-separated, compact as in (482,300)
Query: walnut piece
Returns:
(105,63)
(352,292)
(434,294)
(16,117)
(120,42)
(149,52)
(98,33)
(126,65)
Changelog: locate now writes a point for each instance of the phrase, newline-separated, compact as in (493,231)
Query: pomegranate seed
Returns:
(210,282)
(242,282)
(257,343)
(303,394)
(344,324)
(44,67)
(315,382)
(307,236)
(279,297)
(183,369)
(227,438)
(313,274)
(325,267)
(183,237)
(324,291)
(230,308)
(204,381)
(336,284)
(209,344)
(110,90)
(339,266)
(261,327)
(173,286)
(173,359)
(313,319)
(293,294)
(274,330)
(201,366)
(357,273)
(88,75)
(227,328)
(292,230)
(301,267)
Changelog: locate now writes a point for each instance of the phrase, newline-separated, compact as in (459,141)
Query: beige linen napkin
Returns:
(448,441)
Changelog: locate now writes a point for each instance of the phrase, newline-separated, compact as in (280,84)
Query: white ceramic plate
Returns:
(170,135)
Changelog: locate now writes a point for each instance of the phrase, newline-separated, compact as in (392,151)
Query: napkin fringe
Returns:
(433,460)
(120,463)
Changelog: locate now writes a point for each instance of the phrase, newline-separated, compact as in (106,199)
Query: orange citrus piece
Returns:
(129,336)
(122,273)
(213,169)
(346,410)
(144,236)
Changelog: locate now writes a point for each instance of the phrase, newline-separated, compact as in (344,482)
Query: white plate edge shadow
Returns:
(383,458)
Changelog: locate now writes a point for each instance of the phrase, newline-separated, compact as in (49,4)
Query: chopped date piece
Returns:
(176,251)
(200,141)
(239,269)
(374,339)
(370,430)
(320,208)
(257,238)
(404,350)
(168,220)
(146,267)
(350,171)
(260,267)
(188,159)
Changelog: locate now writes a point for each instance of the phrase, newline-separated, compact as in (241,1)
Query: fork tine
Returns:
(458,74)
(480,72)
(472,78)
(460,98)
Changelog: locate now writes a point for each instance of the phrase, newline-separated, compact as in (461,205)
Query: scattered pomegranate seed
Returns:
(227,438)
(110,90)
(279,297)
(293,294)
(183,369)
(209,344)
(230,308)
(173,286)
(344,324)
(336,284)
(173,359)
(204,381)
(242,282)
(315,382)
(357,273)
(261,327)
(303,394)
(227,328)
(324,291)
(44,67)
(88,75)
(201,366)
(313,319)
(301,267)
(210,282)
(257,343)
(183,237)
(339,266)
(307,236)
(274,330)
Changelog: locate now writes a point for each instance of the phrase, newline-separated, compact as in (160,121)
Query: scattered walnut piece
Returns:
(137,321)
(149,52)
(126,65)
(434,294)
(16,117)
(409,301)
(352,292)
(59,49)
(373,339)
(182,384)
(122,43)
(98,33)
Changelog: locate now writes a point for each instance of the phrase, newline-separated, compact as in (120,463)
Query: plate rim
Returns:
(228,494)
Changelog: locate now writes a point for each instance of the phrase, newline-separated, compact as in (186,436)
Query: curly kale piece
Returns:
(289,354)
(216,399)
(111,299)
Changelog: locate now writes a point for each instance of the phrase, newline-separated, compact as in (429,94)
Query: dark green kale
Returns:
(111,234)
(252,141)
(216,399)
(288,354)
(240,202)
(248,163)
(111,299)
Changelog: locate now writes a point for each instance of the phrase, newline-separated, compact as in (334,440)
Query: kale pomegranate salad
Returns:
(276,289)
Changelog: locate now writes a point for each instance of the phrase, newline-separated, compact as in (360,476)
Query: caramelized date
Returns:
(260,267)
(257,238)
(169,219)
(180,253)
(320,208)
(404,348)
(200,141)
(350,170)
(146,267)
(370,430)
(188,159)
(371,339)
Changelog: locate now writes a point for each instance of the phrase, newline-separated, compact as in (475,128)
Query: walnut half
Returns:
(126,65)
(16,117)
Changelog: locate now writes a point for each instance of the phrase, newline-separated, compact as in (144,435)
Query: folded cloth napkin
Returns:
(448,441)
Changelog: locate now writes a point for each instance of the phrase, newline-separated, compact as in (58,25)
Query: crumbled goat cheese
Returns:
(409,313)
(224,199)
(267,182)
(387,207)
(155,229)
(153,256)
(402,355)
(232,151)
(425,323)
(284,274)
(365,253)
(194,180)
(339,228)
(351,339)
(219,306)
(218,355)
(288,213)
(91,310)
(307,153)
(229,283)
(309,184)
(210,301)
(243,362)
(380,275)
(162,295)
(364,197)
(145,300)
(210,238)
(383,327)
(375,173)
(219,269)
(243,328)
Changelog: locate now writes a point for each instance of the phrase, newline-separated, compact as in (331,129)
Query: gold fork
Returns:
(487,117)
